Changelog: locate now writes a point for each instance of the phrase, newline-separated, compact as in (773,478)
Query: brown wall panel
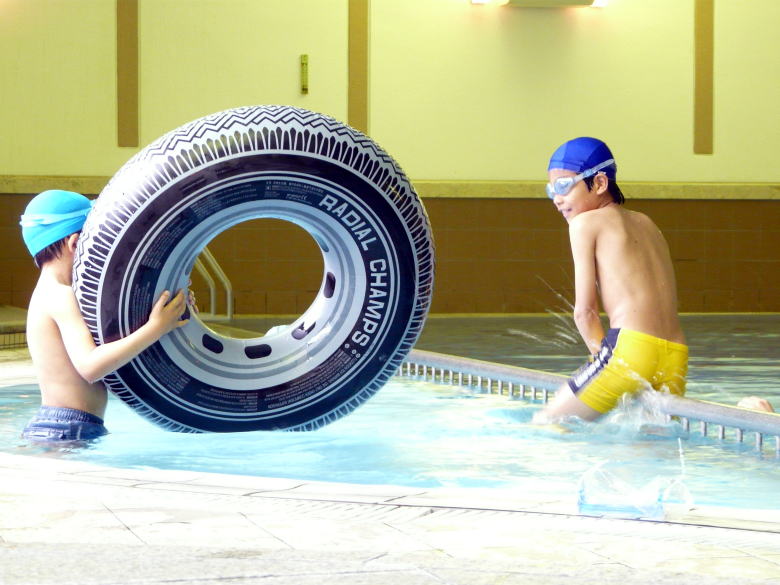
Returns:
(493,256)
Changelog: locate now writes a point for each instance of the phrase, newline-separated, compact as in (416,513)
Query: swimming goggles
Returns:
(38,219)
(562,185)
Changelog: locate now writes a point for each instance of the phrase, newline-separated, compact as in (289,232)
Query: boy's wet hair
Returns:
(50,252)
(612,188)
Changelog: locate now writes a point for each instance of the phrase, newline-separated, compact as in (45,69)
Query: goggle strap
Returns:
(36,219)
(592,171)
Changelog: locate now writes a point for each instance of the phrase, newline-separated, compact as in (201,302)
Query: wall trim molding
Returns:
(92,185)
(26,184)
(632,190)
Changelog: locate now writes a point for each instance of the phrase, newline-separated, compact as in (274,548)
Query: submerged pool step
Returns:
(536,386)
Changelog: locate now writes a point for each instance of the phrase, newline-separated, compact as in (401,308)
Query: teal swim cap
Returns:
(581,154)
(51,216)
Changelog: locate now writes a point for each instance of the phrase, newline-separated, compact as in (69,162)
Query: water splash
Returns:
(564,332)
(568,304)
(612,488)
(677,499)
(565,329)
(682,456)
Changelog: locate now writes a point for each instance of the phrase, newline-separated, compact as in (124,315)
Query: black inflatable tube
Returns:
(164,206)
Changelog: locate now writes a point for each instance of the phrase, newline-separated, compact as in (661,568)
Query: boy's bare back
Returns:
(634,270)
(60,383)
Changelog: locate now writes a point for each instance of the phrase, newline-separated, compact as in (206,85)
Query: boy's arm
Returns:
(586,306)
(93,362)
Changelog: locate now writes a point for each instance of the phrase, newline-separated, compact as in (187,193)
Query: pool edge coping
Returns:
(27,469)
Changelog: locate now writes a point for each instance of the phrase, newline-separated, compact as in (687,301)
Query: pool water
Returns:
(416,433)
(731,355)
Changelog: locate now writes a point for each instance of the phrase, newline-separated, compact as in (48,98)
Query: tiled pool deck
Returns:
(64,522)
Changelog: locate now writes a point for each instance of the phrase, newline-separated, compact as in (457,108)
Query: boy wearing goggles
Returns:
(621,257)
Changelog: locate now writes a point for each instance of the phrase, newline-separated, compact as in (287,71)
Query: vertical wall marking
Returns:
(357,77)
(704,42)
(127,72)
(304,66)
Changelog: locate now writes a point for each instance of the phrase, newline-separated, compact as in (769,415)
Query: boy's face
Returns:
(576,201)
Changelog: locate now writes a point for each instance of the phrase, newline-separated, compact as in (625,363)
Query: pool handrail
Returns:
(767,423)
(206,272)
(741,419)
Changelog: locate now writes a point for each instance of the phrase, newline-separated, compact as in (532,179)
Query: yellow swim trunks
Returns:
(627,362)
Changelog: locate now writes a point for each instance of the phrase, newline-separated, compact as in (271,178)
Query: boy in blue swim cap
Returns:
(622,259)
(68,364)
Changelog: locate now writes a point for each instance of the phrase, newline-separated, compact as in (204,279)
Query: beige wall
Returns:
(487,92)
(57,103)
(203,56)
(457,91)
(470,100)
(196,57)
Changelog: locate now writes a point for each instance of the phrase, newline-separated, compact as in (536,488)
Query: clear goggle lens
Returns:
(562,185)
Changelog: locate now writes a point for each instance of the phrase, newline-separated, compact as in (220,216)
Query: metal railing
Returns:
(534,385)
(205,264)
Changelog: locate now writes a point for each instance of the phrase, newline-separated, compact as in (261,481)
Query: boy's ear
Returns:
(71,242)
(600,183)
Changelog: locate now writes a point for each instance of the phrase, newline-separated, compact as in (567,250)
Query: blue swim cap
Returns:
(581,154)
(51,216)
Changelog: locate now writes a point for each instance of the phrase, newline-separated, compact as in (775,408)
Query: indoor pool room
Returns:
(413,292)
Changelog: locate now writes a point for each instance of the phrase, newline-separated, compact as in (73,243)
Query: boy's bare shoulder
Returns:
(50,286)
(51,297)
(592,220)
(608,215)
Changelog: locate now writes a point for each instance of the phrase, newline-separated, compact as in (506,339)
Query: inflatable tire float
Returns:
(164,206)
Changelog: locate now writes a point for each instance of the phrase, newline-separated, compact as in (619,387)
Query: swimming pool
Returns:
(428,435)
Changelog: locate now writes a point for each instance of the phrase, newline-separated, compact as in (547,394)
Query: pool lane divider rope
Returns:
(534,385)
